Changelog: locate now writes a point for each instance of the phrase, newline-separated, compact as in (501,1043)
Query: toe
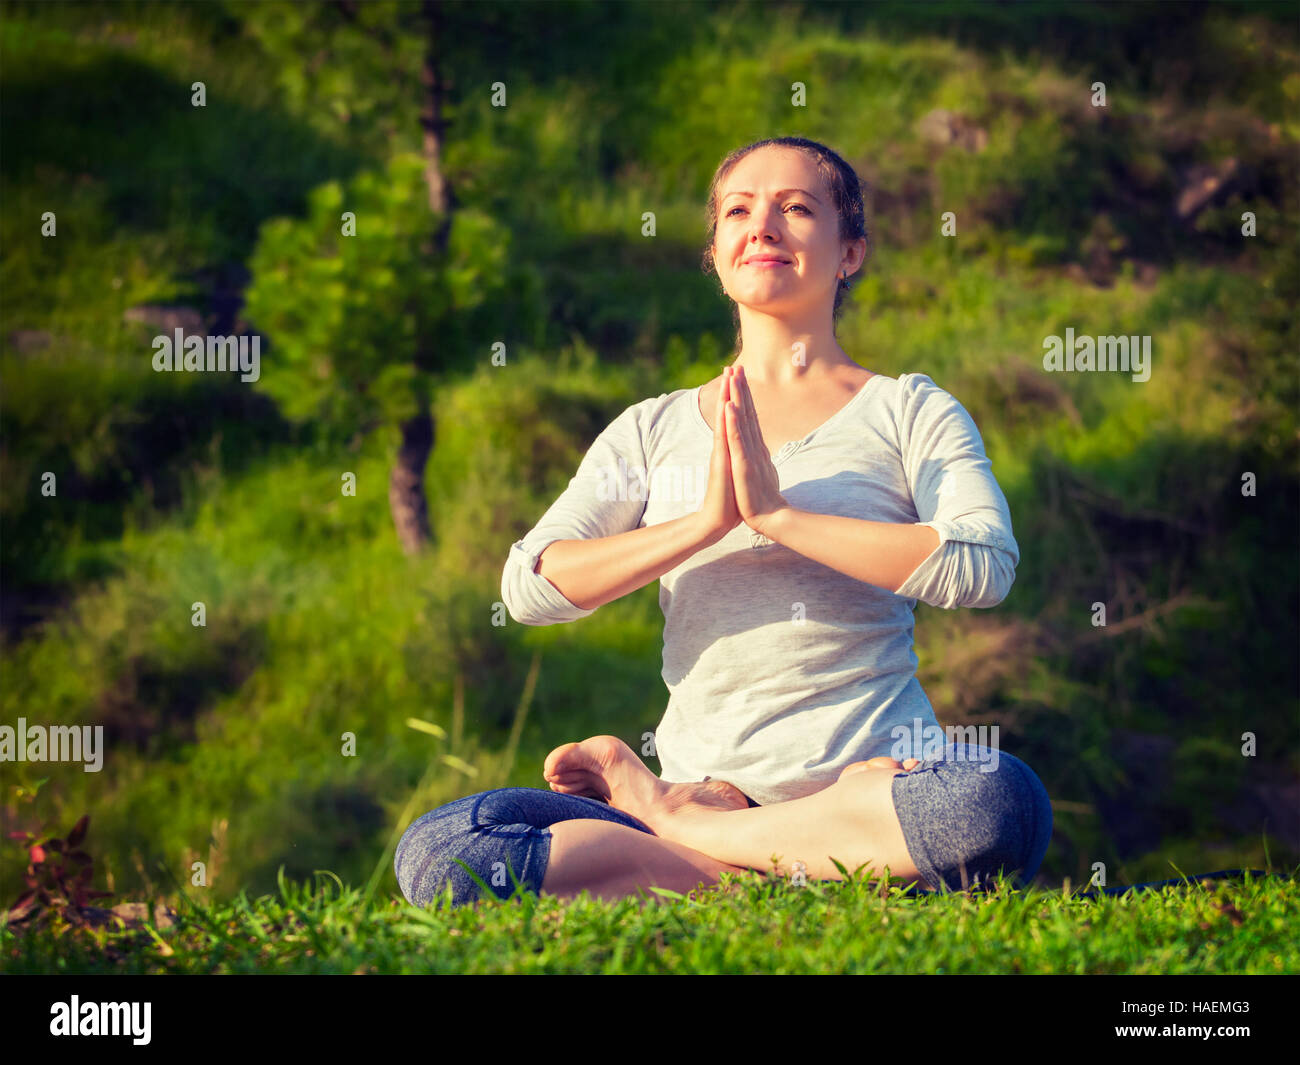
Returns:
(558,761)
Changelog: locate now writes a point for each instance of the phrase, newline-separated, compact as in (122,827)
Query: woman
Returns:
(835,499)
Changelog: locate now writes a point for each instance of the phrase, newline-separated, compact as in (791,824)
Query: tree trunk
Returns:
(441,198)
(406,497)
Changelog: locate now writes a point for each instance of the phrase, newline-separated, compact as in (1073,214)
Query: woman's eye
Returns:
(799,205)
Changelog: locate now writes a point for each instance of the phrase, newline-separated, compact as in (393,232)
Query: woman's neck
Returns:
(783,364)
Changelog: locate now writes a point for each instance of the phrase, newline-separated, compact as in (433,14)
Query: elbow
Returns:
(514,599)
(516,615)
(525,616)
(984,601)
(982,584)
(994,578)
(530,599)
(520,617)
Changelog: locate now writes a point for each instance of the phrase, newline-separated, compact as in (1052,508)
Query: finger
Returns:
(755,436)
(749,423)
(721,447)
(736,454)
(737,397)
(730,399)
(735,431)
(720,429)
(746,397)
(738,420)
(738,451)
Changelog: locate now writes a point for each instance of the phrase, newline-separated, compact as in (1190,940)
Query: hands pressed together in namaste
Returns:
(743,482)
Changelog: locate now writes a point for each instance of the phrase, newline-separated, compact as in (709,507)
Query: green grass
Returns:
(745,925)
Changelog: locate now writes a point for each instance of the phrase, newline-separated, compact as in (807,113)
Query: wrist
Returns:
(775,524)
(701,532)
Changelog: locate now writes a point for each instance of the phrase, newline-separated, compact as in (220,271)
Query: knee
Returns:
(975,820)
(425,859)
(420,861)
(1022,817)
(1036,820)
(1009,795)
(491,832)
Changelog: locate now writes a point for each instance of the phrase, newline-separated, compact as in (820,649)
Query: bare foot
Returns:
(882,762)
(604,767)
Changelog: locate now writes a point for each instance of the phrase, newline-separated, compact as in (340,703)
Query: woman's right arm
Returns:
(588,550)
(591,573)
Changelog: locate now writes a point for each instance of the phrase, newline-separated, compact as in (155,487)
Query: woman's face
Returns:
(774,203)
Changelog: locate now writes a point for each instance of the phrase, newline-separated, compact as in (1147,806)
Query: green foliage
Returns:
(152,196)
(347,70)
(360,324)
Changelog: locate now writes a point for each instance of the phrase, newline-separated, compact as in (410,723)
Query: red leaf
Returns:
(25,904)
(78,832)
(56,845)
(81,857)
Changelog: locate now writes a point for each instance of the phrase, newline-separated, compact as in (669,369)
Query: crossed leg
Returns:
(612,862)
(702,830)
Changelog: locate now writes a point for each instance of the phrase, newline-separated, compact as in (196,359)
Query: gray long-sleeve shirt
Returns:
(780,670)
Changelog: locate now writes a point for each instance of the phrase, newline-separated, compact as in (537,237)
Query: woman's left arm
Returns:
(881,553)
(960,553)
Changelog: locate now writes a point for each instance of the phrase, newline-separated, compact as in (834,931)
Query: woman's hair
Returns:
(846,190)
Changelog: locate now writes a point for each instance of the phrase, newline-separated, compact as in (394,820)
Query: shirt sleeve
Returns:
(956,494)
(605,497)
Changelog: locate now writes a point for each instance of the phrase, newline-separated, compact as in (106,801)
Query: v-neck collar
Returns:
(787,449)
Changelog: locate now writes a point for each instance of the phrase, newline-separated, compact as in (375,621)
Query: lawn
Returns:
(753,924)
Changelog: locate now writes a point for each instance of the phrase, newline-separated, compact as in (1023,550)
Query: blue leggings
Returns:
(961,825)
